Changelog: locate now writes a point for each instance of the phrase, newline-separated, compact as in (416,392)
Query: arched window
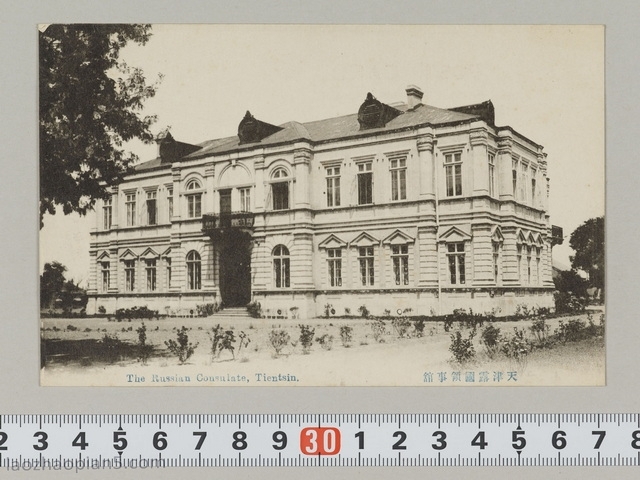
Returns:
(194,199)
(193,270)
(281,266)
(280,189)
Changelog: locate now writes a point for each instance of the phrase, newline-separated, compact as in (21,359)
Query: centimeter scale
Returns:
(346,440)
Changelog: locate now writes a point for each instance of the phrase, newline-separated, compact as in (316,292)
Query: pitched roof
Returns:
(327,130)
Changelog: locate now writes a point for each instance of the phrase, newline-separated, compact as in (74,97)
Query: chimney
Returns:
(414,96)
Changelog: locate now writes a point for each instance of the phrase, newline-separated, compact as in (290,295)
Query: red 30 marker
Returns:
(320,441)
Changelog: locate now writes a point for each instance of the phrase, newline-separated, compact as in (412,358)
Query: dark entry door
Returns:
(235,269)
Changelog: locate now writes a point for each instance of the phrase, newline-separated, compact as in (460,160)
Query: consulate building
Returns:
(397,206)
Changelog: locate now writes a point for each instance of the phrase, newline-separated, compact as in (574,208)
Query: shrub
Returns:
(181,348)
(328,308)
(254,309)
(567,303)
(418,327)
(572,331)
(325,341)
(244,341)
(401,325)
(363,311)
(294,312)
(386,313)
(207,309)
(102,310)
(306,337)
(144,350)
(540,331)
(347,311)
(111,346)
(135,312)
(71,328)
(345,335)
(462,348)
(379,329)
(517,347)
(279,339)
(221,340)
(490,338)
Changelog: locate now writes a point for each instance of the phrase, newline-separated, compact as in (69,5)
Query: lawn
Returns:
(95,351)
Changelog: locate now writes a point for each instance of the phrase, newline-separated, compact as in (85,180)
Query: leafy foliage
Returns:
(51,281)
(346,335)
(254,309)
(306,337)
(279,339)
(181,348)
(325,341)
(144,350)
(379,329)
(462,348)
(490,338)
(588,242)
(90,103)
(221,339)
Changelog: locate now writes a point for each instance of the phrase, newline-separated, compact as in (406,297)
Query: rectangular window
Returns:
(334,259)
(400,259)
(106,275)
(130,275)
(398,179)
(533,192)
(106,214)
(496,260)
(280,193)
(529,265)
(492,175)
(245,199)
(519,260)
(168,273)
(152,210)
(130,203)
(365,184)
(170,203)
(151,275)
(194,205)
(523,182)
(225,201)
(365,258)
(514,178)
(453,174)
(333,187)
(455,256)
(538,277)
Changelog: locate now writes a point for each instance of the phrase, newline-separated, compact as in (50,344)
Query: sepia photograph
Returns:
(321,205)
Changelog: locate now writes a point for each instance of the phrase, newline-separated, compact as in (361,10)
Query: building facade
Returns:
(398,206)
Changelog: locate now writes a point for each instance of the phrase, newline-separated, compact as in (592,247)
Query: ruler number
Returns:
(42,441)
(239,440)
(3,439)
(80,441)
(557,439)
(518,441)
(160,440)
(320,441)
(202,436)
(440,440)
(601,434)
(398,445)
(479,441)
(360,437)
(636,439)
(119,442)
(281,440)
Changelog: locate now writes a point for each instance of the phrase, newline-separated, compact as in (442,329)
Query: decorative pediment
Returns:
(537,240)
(364,240)
(521,237)
(530,239)
(375,114)
(398,238)
(454,234)
(332,242)
(497,236)
(251,130)
(166,253)
(149,253)
(128,255)
(103,257)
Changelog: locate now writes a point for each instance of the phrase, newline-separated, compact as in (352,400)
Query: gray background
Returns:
(19,324)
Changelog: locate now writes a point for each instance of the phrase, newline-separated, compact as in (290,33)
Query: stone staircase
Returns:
(240,312)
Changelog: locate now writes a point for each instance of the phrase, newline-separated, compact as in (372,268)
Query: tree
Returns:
(90,104)
(569,281)
(588,242)
(51,282)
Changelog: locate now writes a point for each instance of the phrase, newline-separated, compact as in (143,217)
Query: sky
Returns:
(547,82)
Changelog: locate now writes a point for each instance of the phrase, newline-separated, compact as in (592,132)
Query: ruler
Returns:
(83,442)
